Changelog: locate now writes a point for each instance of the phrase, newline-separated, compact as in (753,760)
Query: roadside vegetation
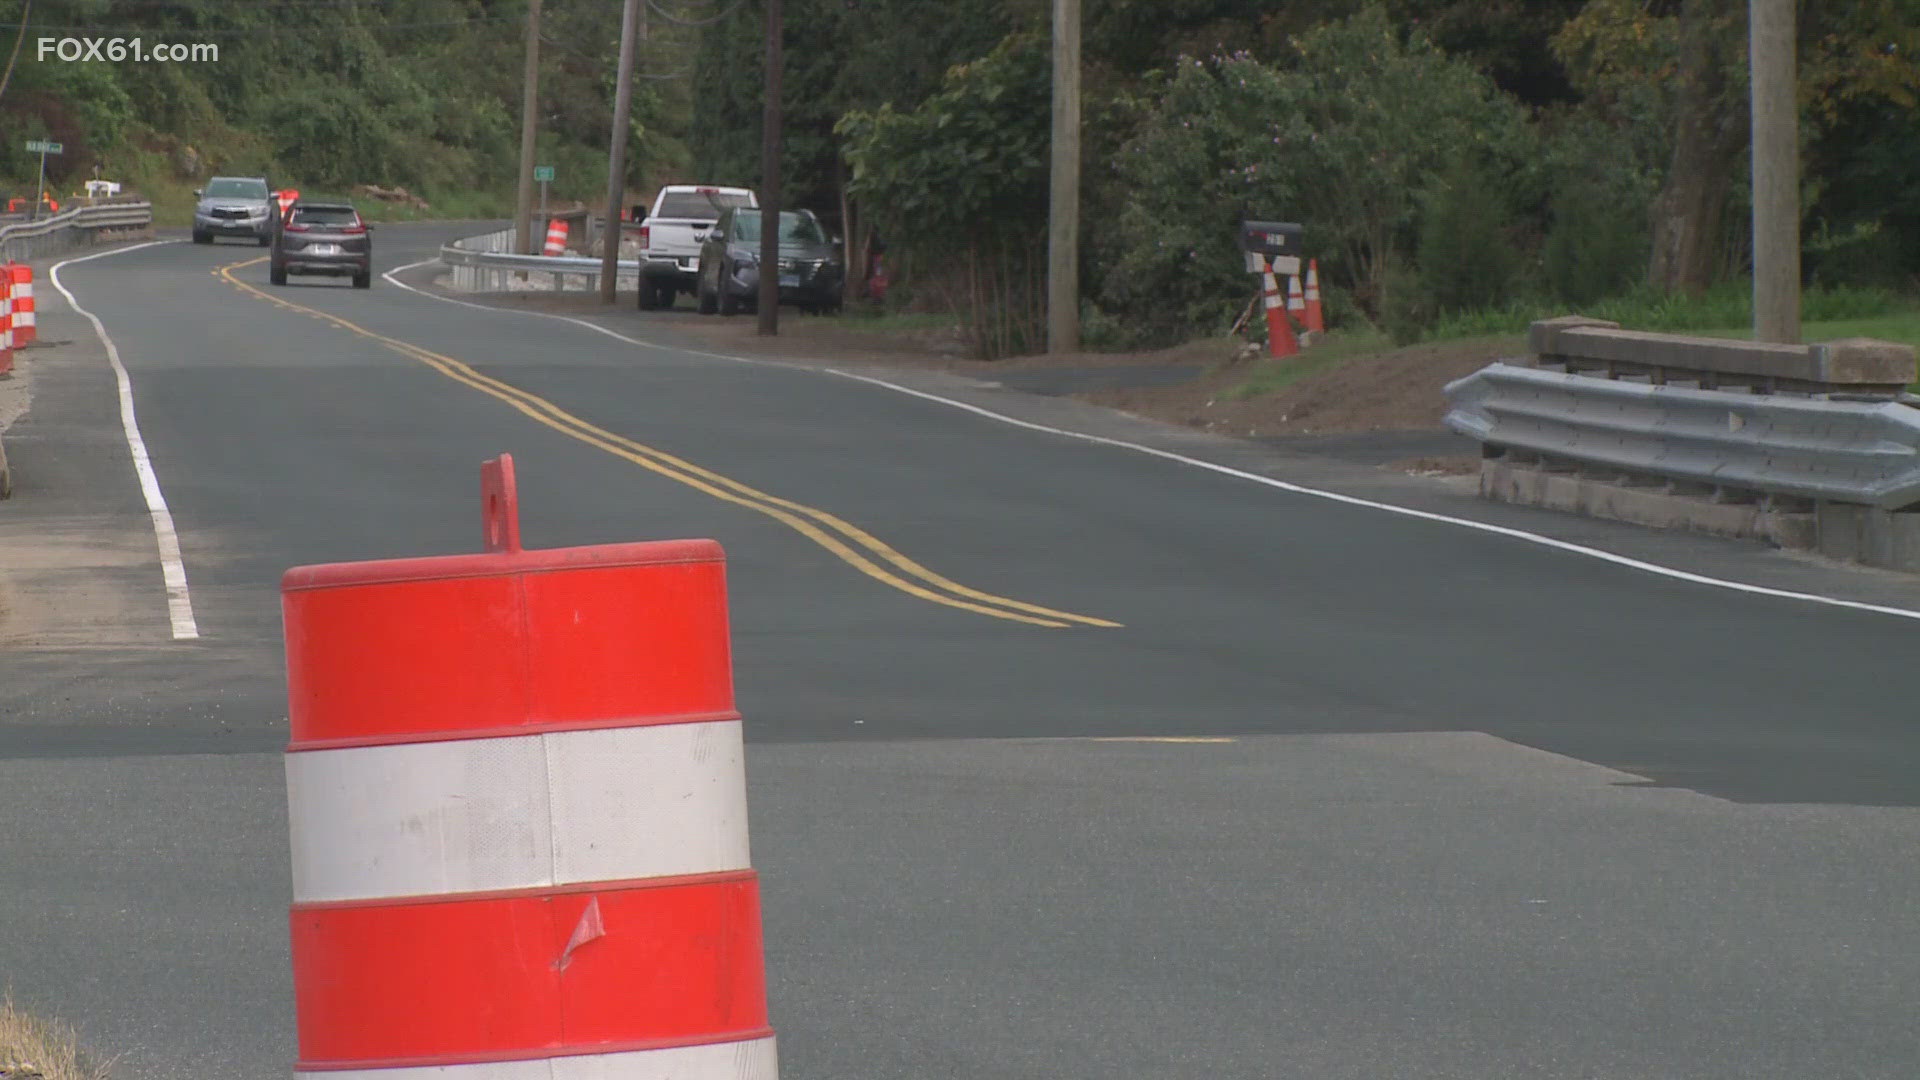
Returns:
(421,95)
(1461,166)
(31,1047)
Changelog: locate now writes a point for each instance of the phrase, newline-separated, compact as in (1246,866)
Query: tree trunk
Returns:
(1689,214)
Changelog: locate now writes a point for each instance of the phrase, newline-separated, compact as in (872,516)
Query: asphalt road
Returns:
(1460,805)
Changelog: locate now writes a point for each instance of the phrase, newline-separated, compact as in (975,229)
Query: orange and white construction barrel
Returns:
(25,328)
(556,237)
(518,815)
(6,322)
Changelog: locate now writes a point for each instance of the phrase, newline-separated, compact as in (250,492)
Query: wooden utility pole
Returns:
(529,120)
(1063,210)
(770,178)
(617,149)
(1776,171)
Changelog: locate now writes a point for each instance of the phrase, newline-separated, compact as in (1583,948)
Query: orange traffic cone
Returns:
(1316,317)
(1296,301)
(1280,341)
(556,237)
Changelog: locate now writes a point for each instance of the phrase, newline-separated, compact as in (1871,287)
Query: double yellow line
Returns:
(855,546)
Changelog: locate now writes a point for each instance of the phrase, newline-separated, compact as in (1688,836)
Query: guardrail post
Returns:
(580,900)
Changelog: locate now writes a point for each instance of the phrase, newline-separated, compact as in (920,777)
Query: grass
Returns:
(1830,315)
(1727,305)
(868,319)
(48,1047)
(1336,348)
(1903,327)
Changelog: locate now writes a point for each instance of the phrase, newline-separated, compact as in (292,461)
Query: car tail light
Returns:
(645,232)
(354,229)
(294,226)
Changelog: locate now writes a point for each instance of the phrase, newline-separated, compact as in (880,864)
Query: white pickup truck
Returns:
(671,235)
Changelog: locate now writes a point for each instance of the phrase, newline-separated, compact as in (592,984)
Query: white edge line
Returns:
(172,569)
(1240,474)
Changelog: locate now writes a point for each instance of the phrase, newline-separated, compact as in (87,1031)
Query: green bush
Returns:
(1343,138)
(1597,239)
(1467,254)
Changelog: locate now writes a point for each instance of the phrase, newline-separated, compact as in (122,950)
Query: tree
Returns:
(960,184)
(1345,139)
(1683,67)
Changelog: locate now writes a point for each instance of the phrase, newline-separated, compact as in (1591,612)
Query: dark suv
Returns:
(811,269)
(322,238)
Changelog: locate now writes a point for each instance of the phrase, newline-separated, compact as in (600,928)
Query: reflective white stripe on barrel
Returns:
(517,812)
(752,1060)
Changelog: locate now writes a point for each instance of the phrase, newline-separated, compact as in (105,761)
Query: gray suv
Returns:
(234,206)
(322,238)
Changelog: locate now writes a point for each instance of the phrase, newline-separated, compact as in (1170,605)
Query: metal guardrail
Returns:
(72,227)
(487,263)
(1863,453)
(1829,422)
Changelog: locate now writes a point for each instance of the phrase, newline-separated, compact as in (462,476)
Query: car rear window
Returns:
(325,215)
(793,226)
(693,204)
(236,189)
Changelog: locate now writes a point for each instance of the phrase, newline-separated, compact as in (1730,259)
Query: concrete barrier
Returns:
(1814,447)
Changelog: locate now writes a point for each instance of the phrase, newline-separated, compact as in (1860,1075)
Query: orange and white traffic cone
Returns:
(1280,340)
(556,237)
(1316,317)
(1296,302)
(24,328)
(6,324)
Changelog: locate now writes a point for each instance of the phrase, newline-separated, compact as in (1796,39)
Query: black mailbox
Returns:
(1270,238)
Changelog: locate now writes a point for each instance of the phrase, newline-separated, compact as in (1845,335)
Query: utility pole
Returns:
(1776,171)
(1063,210)
(770,178)
(529,116)
(617,150)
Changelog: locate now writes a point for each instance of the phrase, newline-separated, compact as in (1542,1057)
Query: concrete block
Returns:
(1840,528)
(1906,541)
(1866,360)
(1679,352)
(1543,337)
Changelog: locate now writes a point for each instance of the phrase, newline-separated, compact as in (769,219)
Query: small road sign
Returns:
(41,146)
(542,173)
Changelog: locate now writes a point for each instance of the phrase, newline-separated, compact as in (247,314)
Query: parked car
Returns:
(811,267)
(322,238)
(671,235)
(234,206)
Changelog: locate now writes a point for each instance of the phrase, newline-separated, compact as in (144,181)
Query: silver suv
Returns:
(234,206)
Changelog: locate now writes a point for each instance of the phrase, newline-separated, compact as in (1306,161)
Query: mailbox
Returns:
(1270,238)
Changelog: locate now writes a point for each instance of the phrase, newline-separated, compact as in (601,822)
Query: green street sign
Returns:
(38,146)
(541,173)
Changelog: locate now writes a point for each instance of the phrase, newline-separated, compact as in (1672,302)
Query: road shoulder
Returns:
(79,569)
